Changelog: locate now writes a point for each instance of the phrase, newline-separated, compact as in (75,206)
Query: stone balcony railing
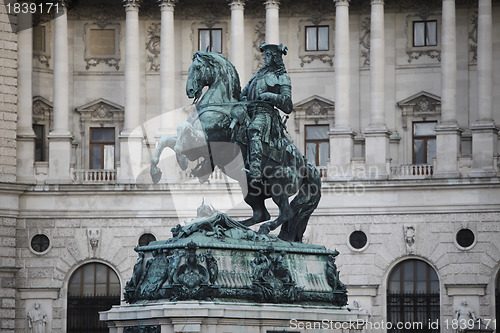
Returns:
(94,176)
(411,171)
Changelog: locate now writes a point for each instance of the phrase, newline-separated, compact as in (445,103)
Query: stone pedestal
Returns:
(215,317)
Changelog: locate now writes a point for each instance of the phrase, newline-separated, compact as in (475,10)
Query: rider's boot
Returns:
(255,161)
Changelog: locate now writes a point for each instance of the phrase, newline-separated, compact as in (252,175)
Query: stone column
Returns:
(341,135)
(25,134)
(272,21)
(167,68)
(60,137)
(237,53)
(447,131)
(377,135)
(484,131)
(131,136)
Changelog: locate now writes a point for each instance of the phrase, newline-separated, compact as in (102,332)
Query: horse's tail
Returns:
(304,203)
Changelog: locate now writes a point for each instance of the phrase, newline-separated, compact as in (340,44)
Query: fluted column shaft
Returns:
(25,134)
(167,67)
(377,65)
(237,52)
(61,71)
(342,66)
(132,66)
(60,137)
(484,130)
(272,22)
(448,64)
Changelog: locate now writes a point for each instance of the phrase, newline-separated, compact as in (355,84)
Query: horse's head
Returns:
(199,75)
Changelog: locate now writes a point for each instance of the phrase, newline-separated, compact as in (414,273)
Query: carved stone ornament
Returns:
(314,108)
(153,47)
(364,41)
(37,319)
(473,37)
(94,57)
(142,329)
(93,235)
(409,235)
(42,109)
(259,37)
(416,52)
(100,110)
(422,105)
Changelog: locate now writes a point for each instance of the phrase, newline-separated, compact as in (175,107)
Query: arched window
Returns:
(413,297)
(92,288)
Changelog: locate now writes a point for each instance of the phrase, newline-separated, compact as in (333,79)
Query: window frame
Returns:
(40,142)
(316,27)
(425,138)
(102,144)
(317,142)
(210,30)
(425,33)
(431,51)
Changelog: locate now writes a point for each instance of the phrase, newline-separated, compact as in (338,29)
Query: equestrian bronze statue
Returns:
(229,123)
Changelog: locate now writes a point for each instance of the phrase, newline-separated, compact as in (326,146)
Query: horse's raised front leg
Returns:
(285,213)
(165,141)
(260,213)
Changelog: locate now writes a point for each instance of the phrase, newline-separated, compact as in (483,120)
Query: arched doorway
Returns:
(92,288)
(413,297)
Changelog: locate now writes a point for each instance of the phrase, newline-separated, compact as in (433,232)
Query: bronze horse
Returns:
(215,135)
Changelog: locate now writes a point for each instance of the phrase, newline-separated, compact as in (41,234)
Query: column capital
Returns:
(237,4)
(272,4)
(131,4)
(341,2)
(166,4)
(377,2)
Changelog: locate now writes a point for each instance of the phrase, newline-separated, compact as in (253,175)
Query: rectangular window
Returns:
(102,42)
(425,33)
(317,144)
(317,38)
(39,38)
(39,142)
(211,39)
(102,148)
(424,142)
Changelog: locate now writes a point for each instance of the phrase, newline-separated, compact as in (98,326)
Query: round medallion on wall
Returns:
(358,240)
(40,244)
(465,238)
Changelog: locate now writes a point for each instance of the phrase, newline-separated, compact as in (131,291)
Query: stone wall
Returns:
(8,96)
(8,116)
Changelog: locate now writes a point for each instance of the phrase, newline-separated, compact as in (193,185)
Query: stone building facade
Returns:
(395,101)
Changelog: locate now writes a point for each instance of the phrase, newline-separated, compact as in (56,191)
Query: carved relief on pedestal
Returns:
(153,47)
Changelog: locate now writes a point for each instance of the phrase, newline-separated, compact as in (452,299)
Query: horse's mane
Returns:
(224,69)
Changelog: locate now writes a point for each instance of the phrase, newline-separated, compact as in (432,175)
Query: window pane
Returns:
(424,129)
(75,284)
(109,157)
(217,40)
(102,135)
(114,283)
(418,33)
(431,150)
(431,33)
(204,35)
(317,132)
(311,41)
(39,142)
(96,157)
(323,38)
(311,152)
(324,153)
(419,152)
(88,279)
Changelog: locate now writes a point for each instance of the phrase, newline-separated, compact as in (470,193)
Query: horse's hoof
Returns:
(264,230)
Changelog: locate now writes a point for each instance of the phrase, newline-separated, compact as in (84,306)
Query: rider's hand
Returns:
(267,96)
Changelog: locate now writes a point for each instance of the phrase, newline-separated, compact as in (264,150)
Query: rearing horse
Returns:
(210,135)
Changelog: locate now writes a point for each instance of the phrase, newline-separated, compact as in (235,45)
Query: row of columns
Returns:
(448,133)
(484,130)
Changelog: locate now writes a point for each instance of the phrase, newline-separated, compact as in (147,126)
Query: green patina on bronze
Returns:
(214,256)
